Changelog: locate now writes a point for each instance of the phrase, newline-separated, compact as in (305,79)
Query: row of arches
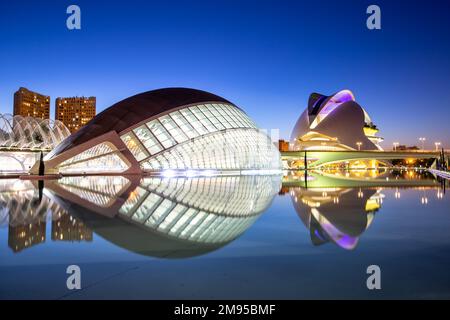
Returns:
(20,132)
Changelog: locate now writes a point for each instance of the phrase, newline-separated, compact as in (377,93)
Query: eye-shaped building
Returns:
(335,122)
(173,128)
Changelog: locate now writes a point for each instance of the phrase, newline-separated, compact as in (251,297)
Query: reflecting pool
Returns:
(302,235)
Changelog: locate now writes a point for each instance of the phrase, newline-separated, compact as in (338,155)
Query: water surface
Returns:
(226,237)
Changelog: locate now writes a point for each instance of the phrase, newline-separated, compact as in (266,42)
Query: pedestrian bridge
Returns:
(318,179)
(320,157)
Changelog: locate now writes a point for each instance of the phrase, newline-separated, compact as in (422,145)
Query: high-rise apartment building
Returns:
(24,236)
(68,228)
(74,112)
(31,104)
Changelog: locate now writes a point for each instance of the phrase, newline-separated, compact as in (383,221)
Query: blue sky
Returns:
(265,56)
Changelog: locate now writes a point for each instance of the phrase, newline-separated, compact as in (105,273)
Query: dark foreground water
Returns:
(247,237)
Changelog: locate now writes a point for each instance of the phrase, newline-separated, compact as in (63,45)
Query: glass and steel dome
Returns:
(172,128)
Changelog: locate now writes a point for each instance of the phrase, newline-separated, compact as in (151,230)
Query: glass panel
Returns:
(161,133)
(149,141)
(147,207)
(160,213)
(173,129)
(194,121)
(184,125)
(108,163)
(133,199)
(134,146)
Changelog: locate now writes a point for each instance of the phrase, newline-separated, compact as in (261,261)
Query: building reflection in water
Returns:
(167,217)
(153,216)
(24,236)
(25,212)
(338,215)
(68,228)
(181,217)
(338,206)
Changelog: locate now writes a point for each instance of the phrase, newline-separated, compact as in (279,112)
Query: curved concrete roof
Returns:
(132,110)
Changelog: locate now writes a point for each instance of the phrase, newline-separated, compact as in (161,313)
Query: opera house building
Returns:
(335,123)
(174,129)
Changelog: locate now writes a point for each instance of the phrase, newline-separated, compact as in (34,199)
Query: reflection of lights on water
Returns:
(335,200)
(360,194)
(19,185)
(440,194)
(191,173)
(102,182)
(424,200)
(324,194)
(397,194)
(169,173)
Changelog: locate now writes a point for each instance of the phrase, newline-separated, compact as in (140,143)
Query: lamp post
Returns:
(396,144)
(359,144)
(422,139)
(437,144)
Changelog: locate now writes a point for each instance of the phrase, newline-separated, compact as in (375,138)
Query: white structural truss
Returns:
(28,133)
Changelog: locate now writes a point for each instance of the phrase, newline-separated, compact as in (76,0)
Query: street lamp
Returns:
(359,144)
(396,144)
(437,144)
(422,139)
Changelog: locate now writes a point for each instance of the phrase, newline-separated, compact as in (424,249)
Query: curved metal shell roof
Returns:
(132,110)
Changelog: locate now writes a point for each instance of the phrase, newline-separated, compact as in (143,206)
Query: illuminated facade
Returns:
(335,123)
(168,129)
(31,104)
(75,112)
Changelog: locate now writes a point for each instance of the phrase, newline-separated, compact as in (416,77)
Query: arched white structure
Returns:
(335,122)
(28,133)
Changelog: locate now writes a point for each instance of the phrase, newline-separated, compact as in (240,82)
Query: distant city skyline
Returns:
(265,56)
